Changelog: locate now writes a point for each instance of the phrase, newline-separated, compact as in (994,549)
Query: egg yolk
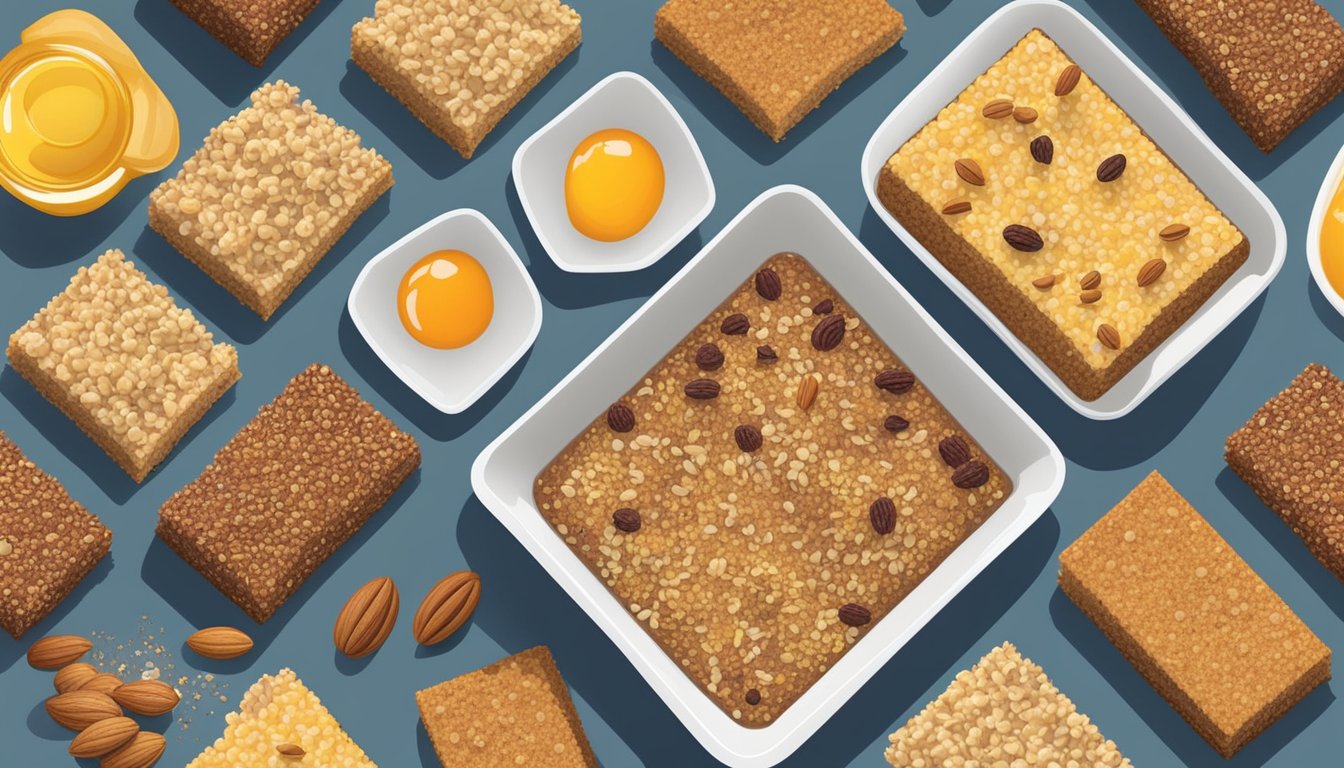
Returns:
(1332,241)
(445,300)
(613,184)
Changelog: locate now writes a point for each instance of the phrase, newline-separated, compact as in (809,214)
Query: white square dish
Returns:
(622,100)
(1318,213)
(794,219)
(448,379)
(1162,119)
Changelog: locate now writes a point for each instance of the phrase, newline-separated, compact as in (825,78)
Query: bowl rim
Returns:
(1329,185)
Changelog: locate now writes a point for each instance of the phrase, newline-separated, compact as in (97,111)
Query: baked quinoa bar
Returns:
(117,355)
(1192,617)
(769,491)
(460,66)
(1272,63)
(287,491)
(516,711)
(777,60)
(1045,199)
(1290,453)
(270,192)
(249,28)
(1001,711)
(48,541)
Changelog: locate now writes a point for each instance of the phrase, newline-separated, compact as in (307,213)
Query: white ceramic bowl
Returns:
(783,218)
(622,100)
(1161,118)
(1318,213)
(448,379)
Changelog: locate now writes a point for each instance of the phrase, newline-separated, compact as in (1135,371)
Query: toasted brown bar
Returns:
(516,711)
(247,27)
(461,67)
(48,541)
(1273,64)
(287,491)
(1290,453)
(1192,617)
(777,59)
(117,355)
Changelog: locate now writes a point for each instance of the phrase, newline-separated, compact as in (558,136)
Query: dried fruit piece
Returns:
(748,438)
(1111,168)
(1024,115)
(1045,282)
(882,515)
(709,357)
(768,285)
(626,519)
(55,651)
(1043,150)
(291,750)
(855,615)
(1173,232)
(970,172)
(150,698)
(895,424)
(1090,280)
(1023,238)
(766,354)
(72,677)
(954,207)
(220,643)
(954,451)
(972,474)
(1109,336)
(828,333)
(1068,80)
(78,710)
(735,324)
(807,392)
(997,109)
(446,607)
(103,736)
(103,683)
(823,307)
(142,751)
(367,618)
(894,381)
(702,389)
(753,697)
(620,418)
(1151,271)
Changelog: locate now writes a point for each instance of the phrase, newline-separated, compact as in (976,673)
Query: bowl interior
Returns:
(1329,185)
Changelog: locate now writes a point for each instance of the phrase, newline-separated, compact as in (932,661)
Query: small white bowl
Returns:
(622,100)
(1328,186)
(448,379)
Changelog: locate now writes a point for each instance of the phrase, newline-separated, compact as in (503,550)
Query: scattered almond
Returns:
(150,698)
(72,677)
(1090,297)
(955,207)
(78,710)
(1045,282)
(102,683)
(447,607)
(1090,280)
(970,172)
(142,751)
(220,643)
(291,750)
(56,651)
(1108,336)
(1173,232)
(997,109)
(807,392)
(367,618)
(1068,80)
(1150,272)
(1024,115)
(104,736)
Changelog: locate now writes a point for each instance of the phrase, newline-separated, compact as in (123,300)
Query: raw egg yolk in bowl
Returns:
(613,184)
(445,300)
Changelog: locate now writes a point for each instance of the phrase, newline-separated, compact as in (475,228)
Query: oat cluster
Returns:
(1197,622)
(249,28)
(267,195)
(277,711)
(514,712)
(461,65)
(1003,711)
(48,541)
(129,366)
(770,531)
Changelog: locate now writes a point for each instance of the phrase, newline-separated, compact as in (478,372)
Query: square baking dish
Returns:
(794,219)
(1162,119)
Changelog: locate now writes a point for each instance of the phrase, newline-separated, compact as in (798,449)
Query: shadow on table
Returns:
(595,668)
(1325,311)
(202,605)
(11,650)
(1169,726)
(217,67)
(932,7)
(79,448)
(35,240)
(739,129)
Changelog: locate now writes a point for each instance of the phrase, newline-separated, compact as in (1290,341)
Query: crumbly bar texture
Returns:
(1205,631)
(248,28)
(287,491)
(48,541)
(1272,63)
(117,355)
(777,60)
(769,535)
(1002,711)
(271,191)
(459,66)
(280,711)
(1147,284)
(1290,453)
(516,711)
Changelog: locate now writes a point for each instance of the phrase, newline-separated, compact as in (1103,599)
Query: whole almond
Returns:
(1090,280)
(150,698)
(103,683)
(1045,282)
(1090,297)
(807,392)
(367,618)
(997,109)
(142,751)
(1068,80)
(1151,271)
(291,750)
(1173,232)
(970,172)
(78,710)
(1024,115)
(72,677)
(954,207)
(446,608)
(1108,336)
(220,642)
(104,736)
(55,651)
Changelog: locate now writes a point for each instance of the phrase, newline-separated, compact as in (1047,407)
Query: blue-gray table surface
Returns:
(435,525)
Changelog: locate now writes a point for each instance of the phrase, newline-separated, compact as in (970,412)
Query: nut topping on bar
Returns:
(1025,115)
(735,325)
(1173,232)
(1089,297)
(766,354)
(626,519)
(753,696)
(855,615)
(1043,149)
(1151,271)
(954,451)
(1109,336)
(709,357)
(998,109)
(895,424)
(828,333)
(972,474)
(748,438)
(1068,80)
(1023,238)
(1111,168)
(620,418)
(970,172)
(955,207)
(1090,280)
(702,389)
(768,285)
(882,515)
(823,307)
(894,381)
(1045,282)
(807,392)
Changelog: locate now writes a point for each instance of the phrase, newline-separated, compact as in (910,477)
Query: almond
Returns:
(1150,271)
(1068,80)
(1109,336)
(954,207)
(1024,115)
(1090,280)
(367,618)
(997,109)
(72,677)
(102,683)
(220,643)
(447,607)
(1173,232)
(291,750)
(969,171)
(142,751)
(103,736)
(56,651)
(78,710)
(150,698)
(1045,282)
(807,392)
